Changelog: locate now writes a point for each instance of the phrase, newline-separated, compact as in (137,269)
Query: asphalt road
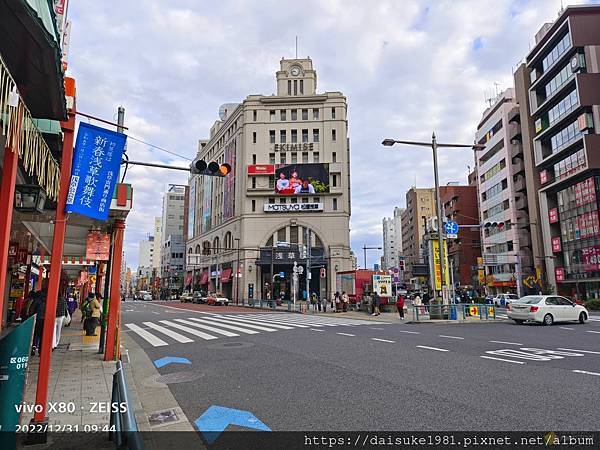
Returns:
(330,375)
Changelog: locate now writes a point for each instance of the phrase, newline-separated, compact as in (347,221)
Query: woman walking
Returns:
(61,312)
(400,305)
(345,301)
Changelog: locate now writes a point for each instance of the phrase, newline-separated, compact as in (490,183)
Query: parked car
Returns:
(199,297)
(186,297)
(546,309)
(147,297)
(217,300)
(504,299)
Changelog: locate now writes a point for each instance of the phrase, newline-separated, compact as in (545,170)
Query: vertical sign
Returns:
(96,162)
(192,208)
(553,215)
(97,246)
(556,244)
(229,182)
(559,272)
(437,265)
(207,204)
(382,284)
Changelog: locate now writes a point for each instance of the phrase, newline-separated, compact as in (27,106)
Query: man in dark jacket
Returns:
(61,312)
(376,302)
(37,308)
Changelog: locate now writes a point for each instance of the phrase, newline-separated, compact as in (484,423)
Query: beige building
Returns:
(420,205)
(290,183)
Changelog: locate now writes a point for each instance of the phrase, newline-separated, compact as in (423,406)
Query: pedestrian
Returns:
(38,308)
(338,301)
(94,311)
(61,312)
(400,305)
(71,305)
(345,301)
(376,303)
(324,304)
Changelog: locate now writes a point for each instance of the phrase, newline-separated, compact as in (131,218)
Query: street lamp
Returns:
(365,248)
(434,146)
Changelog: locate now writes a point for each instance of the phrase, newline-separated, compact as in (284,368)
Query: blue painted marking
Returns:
(170,360)
(216,418)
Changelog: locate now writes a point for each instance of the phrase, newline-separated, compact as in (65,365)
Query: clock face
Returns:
(295,71)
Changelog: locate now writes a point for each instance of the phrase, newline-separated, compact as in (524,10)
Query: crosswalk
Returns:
(209,327)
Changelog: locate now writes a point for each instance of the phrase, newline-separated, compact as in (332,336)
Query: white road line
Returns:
(316,329)
(450,337)
(173,334)
(433,348)
(206,327)
(373,328)
(346,334)
(247,325)
(505,360)
(596,332)
(504,342)
(149,337)
(200,334)
(291,320)
(587,373)
(409,332)
(382,340)
(222,325)
(258,322)
(566,328)
(579,351)
(291,324)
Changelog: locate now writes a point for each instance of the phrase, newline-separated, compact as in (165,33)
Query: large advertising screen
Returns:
(302,179)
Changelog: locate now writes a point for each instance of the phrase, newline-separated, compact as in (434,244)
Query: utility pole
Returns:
(438,202)
(308,262)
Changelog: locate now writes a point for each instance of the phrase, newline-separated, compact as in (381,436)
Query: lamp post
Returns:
(365,248)
(434,146)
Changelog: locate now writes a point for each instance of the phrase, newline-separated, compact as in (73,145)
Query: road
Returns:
(314,373)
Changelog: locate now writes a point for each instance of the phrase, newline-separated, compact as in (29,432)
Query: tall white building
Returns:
(392,239)
(157,243)
(172,238)
(146,257)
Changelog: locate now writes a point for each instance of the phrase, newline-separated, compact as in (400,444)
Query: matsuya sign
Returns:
(96,162)
(293,207)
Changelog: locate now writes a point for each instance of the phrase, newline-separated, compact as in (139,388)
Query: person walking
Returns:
(95,311)
(38,308)
(376,302)
(324,304)
(345,301)
(338,301)
(61,312)
(400,305)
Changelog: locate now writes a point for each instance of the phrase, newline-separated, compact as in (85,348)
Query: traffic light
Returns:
(211,169)
(401,265)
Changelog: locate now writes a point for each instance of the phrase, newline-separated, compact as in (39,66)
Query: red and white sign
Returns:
(559,272)
(553,215)
(556,244)
(544,176)
(261,169)
(98,246)
(591,258)
(323,272)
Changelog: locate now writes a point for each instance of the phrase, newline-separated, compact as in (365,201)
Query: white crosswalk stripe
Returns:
(213,326)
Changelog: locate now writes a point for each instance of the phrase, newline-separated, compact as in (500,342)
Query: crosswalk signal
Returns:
(401,264)
(211,169)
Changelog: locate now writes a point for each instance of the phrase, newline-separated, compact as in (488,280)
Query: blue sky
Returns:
(407,68)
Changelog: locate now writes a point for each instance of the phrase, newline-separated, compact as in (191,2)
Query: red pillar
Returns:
(114,306)
(7,194)
(60,225)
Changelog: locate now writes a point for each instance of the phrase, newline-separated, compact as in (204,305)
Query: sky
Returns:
(407,67)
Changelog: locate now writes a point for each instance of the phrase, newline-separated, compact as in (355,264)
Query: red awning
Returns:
(225,275)
(204,278)
(188,279)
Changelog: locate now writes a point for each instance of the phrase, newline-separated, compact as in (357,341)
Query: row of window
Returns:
(572,199)
(294,158)
(583,226)
(565,136)
(294,136)
(559,80)
(492,131)
(563,45)
(569,165)
(293,114)
(496,209)
(494,190)
(562,108)
(502,268)
(494,170)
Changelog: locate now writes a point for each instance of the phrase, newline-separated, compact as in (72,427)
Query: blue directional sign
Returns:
(170,360)
(96,162)
(451,227)
(281,274)
(216,418)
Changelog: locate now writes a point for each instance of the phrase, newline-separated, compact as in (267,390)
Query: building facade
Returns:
(288,193)
(392,239)
(156,238)
(172,239)
(563,89)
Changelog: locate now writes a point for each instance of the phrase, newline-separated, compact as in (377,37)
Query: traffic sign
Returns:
(451,227)
(323,272)
(281,274)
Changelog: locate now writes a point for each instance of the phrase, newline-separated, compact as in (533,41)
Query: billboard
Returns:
(302,179)
(437,266)
(229,188)
(382,284)
(207,205)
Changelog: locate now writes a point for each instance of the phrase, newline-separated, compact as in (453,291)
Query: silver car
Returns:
(546,309)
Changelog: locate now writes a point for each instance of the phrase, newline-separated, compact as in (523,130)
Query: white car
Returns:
(504,299)
(147,297)
(546,309)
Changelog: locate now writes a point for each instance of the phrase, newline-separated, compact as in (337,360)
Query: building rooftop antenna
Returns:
(296,46)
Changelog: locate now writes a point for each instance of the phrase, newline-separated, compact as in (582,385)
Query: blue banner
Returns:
(96,162)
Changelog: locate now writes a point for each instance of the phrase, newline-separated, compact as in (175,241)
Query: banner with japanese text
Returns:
(97,246)
(96,162)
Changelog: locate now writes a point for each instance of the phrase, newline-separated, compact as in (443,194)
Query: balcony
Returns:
(518,167)
(516,150)
(514,115)
(521,202)
(522,219)
(519,185)
(513,131)
(524,238)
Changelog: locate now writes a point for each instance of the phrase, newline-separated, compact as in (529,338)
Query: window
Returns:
(294,114)
(562,108)
(282,136)
(316,200)
(295,87)
(282,114)
(289,87)
(316,157)
(335,205)
(563,45)
(271,158)
(315,114)
(282,157)
(254,206)
(254,137)
(254,115)
(305,114)
(272,136)
(254,159)
(272,200)
(304,135)
(316,135)
(334,157)
(293,235)
(333,113)
(282,200)
(304,199)
(294,158)
(294,200)
(294,136)
(333,135)
(334,181)
(301,86)
(272,115)
(304,157)
(253,182)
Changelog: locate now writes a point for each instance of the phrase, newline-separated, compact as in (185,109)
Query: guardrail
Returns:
(123,426)
(286,305)
(454,312)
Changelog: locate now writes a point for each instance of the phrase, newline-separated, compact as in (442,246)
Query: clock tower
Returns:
(296,77)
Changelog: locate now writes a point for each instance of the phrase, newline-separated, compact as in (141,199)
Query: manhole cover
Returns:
(224,345)
(178,377)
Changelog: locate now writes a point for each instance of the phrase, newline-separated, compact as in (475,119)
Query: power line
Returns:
(158,148)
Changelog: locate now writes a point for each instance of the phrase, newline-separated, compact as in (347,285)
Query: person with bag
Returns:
(61,312)
(400,306)
(376,302)
(345,301)
(338,301)
(37,308)
(94,311)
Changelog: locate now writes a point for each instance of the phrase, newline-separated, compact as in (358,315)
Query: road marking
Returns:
(382,340)
(200,334)
(258,322)
(173,334)
(247,325)
(585,372)
(346,334)
(450,337)
(316,329)
(222,325)
(149,337)
(409,332)
(276,320)
(566,328)
(373,328)
(504,342)
(207,327)
(433,348)
(505,360)
(596,332)
(580,351)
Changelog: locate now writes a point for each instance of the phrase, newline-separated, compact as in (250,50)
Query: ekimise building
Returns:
(289,188)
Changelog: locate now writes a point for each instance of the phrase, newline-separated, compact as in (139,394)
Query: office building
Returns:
(392,240)
(172,238)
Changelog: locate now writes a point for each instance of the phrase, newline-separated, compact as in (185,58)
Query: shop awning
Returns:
(225,275)
(204,278)
(188,278)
